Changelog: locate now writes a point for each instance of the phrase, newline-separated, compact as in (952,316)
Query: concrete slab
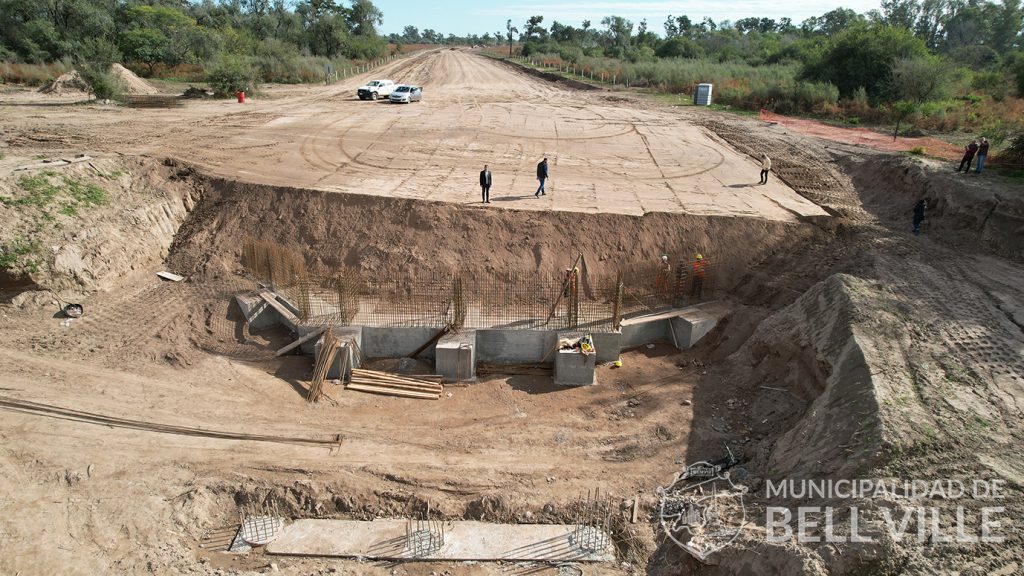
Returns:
(285,313)
(464,541)
(455,356)
(643,330)
(684,327)
(257,312)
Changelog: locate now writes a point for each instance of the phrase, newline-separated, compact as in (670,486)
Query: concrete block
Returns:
(691,325)
(455,356)
(343,333)
(257,313)
(608,345)
(505,346)
(639,331)
(396,342)
(572,368)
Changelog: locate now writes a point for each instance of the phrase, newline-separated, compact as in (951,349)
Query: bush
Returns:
(230,74)
(680,47)
(101,82)
(31,74)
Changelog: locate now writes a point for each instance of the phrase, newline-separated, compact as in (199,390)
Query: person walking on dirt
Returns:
(542,175)
(699,269)
(969,152)
(766,166)
(918,216)
(485,185)
(982,152)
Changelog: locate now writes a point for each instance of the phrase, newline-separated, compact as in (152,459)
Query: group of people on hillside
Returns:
(977,148)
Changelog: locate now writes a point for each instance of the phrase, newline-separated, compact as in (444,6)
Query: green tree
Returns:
(680,47)
(914,81)
(411,35)
(863,55)
(618,30)
(511,30)
(146,45)
(363,18)
(534,30)
(323,22)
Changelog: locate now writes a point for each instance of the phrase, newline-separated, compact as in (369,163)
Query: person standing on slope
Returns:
(766,166)
(918,216)
(969,152)
(485,185)
(982,152)
(542,175)
(699,269)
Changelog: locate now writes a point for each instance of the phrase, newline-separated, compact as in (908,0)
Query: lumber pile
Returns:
(403,386)
(324,360)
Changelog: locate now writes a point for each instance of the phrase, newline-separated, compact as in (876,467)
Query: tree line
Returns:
(900,58)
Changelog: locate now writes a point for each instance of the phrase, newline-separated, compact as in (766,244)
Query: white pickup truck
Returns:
(375,89)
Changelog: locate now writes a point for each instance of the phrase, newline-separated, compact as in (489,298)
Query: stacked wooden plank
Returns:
(403,386)
(328,350)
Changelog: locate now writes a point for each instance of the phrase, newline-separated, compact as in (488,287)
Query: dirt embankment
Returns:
(964,210)
(550,77)
(398,238)
(81,228)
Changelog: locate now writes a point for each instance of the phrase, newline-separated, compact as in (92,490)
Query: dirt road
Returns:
(604,156)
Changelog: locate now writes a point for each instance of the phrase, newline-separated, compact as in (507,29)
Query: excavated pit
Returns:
(789,379)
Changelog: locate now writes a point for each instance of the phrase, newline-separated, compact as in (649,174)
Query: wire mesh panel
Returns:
(514,299)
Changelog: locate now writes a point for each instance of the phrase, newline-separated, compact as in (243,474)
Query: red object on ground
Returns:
(864,136)
(241,97)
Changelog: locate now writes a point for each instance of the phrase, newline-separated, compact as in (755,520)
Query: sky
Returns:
(462,17)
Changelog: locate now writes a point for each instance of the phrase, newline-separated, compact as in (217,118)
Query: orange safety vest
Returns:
(698,268)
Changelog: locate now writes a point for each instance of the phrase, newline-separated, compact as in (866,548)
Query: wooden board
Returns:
(301,341)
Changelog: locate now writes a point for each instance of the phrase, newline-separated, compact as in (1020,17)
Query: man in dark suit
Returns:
(485,184)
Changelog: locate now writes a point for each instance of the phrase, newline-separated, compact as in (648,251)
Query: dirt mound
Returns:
(67,84)
(129,82)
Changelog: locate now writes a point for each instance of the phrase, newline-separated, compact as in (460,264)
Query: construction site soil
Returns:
(853,350)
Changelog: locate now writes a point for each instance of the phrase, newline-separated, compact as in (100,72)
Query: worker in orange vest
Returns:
(699,269)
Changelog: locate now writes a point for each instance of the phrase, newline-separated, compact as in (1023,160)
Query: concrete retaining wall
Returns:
(396,342)
(514,346)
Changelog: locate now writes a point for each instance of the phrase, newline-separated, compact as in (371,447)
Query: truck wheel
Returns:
(373,95)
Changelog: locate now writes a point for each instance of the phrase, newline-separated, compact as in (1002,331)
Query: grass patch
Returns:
(42,190)
(21,254)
